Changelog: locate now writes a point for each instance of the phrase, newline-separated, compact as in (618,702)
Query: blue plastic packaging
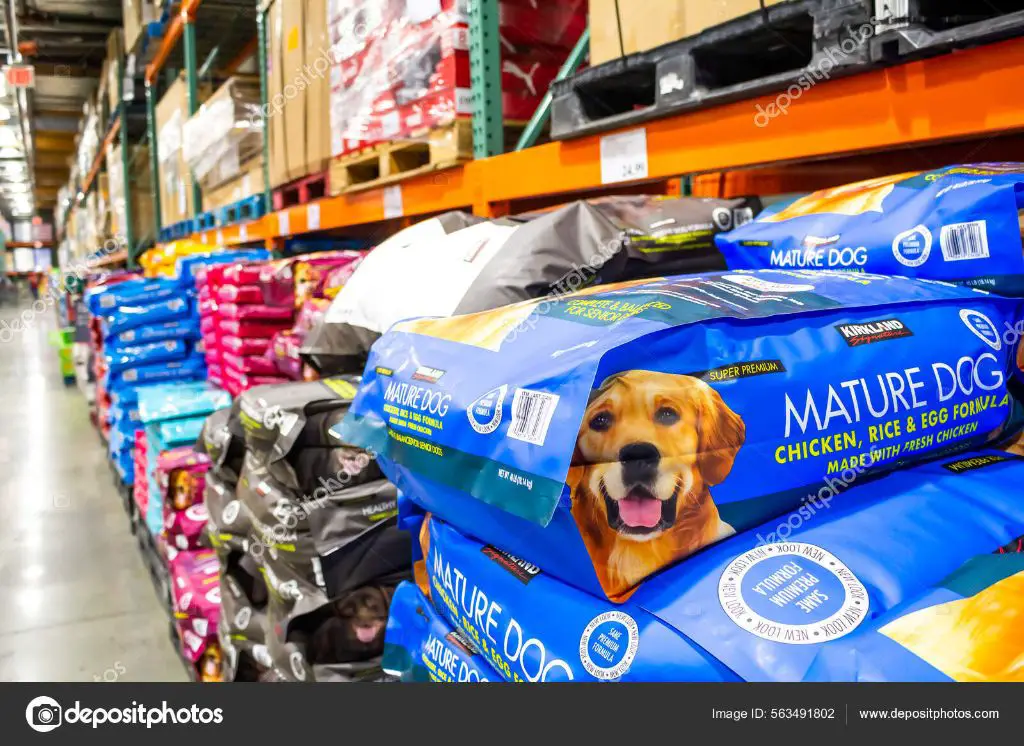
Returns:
(191,368)
(607,434)
(959,224)
(126,317)
(123,358)
(105,300)
(169,330)
(420,646)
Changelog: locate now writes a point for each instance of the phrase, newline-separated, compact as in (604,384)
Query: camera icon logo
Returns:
(44,714)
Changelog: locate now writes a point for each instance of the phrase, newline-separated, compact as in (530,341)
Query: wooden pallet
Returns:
(301,191)
(425,151)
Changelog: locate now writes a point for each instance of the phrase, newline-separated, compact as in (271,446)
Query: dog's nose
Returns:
(639,462)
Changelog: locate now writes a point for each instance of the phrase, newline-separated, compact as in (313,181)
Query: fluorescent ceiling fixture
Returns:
(9,136)
(5,114)
(9,152)
(14,184)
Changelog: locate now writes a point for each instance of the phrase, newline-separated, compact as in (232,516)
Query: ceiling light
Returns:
(14,188)
(10,152)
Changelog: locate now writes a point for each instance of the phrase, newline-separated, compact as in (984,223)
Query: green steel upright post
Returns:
(126,173)
(540,117)
(485,77)
(264,62)
(154,154)
(192,81)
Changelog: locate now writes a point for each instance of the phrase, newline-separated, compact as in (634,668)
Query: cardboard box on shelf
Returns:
(225,132)
(249,182)
(619,27)
(137,13)
(298,79)
(141,191)
(176,199)
(318,123)
(115,54)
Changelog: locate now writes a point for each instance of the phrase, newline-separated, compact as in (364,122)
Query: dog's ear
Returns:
(721,435)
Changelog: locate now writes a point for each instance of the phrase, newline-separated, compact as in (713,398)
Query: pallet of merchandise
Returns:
(913,29)
(424,151)
(785,46)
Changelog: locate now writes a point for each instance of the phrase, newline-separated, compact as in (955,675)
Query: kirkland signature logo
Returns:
(856,335)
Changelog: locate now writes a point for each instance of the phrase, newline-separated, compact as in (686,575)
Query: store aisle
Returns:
(78,604)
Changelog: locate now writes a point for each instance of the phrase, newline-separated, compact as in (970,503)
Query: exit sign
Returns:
(20,76)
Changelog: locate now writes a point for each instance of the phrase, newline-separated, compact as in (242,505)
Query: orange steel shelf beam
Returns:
(100,155)
(171,38)
(952,97)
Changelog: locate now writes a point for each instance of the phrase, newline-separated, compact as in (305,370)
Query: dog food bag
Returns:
(222,440)
(250,364)
(106,299)
(291,282)
(243,620)
(122,358)
(245,345)
(763,603)
(241,294)
(251,328)
(177,433)
(610,433)
(255,312)
(532,627)
(420,646)
(185,529)
(170,330)
(189,369)
(391,283)
(123,318)
(966,628)
(958,224)
(604,240)
(181,400)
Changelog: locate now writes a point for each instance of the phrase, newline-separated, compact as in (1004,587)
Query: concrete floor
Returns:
(76,602)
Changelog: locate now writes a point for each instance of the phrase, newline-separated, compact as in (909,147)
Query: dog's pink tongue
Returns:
(366,634)
(642,512)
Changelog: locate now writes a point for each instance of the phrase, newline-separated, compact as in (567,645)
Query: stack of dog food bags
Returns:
(323,531)
(239,325)
(149,336)
(308,284)
(181,476)
(457,264)
(241,631)
(140,490)
(173,417)
(698,478)
(196,594)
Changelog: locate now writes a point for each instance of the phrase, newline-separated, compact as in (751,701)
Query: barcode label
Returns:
(531,415)
(964,241)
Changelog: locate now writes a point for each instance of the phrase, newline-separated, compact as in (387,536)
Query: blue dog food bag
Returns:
(968,627)
(530,627)
(169,330)
(419,646)
(122,358)
(104,300)
(189,369)
(126,317)
(959,224)
(607,434)
(763,604)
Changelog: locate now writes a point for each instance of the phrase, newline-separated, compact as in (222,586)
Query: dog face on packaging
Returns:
(354,630)
(183,489)
(211,664)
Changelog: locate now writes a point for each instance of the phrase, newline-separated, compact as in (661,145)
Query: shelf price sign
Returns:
(20,76)
(624,156)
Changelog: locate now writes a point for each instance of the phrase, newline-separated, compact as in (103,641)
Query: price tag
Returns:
(624,156)
(202,238)
(393,207)
(220,238)
(243,234)
(284,227)
(313,216)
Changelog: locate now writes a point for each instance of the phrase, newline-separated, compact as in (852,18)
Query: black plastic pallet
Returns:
(794,44)
(926,28)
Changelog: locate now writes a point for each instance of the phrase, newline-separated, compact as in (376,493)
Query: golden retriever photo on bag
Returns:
(650,448)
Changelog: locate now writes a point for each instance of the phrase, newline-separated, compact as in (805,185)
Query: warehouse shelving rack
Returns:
(956,97)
